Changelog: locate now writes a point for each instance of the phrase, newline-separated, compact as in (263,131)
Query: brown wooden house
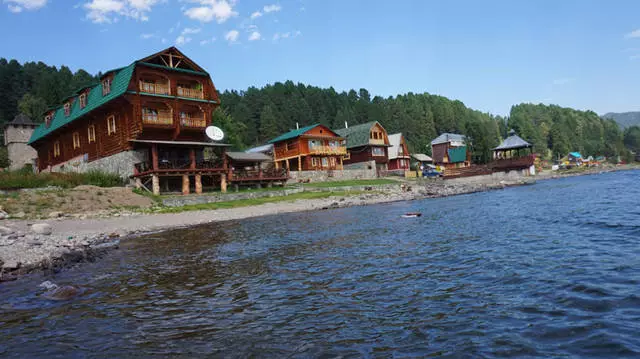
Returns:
(366,142)
(144,121)
(311,148)
(449,150)
(399,156)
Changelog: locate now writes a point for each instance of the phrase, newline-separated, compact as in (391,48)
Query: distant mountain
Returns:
(625,119)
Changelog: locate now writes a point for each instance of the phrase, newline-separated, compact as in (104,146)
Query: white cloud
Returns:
(107,11)
(271,8)
(255,36)
(220,10)
(633,34)
(164,41)
(563,81)
(285,35)
(147,36)
(256,15)
(16,6)
(190,30)
(182,40)
(207,41)
(232,36)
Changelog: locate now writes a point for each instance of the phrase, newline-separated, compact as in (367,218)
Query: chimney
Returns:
(297,126)
(346,125)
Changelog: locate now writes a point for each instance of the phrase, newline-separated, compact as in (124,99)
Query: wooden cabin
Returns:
(399,156)
(311,148)
(144,121)
(254,169)
(449,150)
(366,142)
(513,153)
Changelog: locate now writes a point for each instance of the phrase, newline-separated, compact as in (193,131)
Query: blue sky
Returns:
(488,54)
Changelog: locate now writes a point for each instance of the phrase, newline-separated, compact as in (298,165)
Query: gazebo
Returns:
(513,153)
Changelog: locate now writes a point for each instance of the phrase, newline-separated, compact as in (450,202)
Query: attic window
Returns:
(106,86)
(47,120)
(67,108)
(83,100)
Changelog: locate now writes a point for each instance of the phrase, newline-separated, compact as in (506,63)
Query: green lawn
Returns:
(367,182)
(257,201)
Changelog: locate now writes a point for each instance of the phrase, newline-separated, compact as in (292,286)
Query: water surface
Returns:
(549,270)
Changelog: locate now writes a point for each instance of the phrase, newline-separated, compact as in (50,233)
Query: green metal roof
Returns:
(293,134)
(95,99)
(357,135)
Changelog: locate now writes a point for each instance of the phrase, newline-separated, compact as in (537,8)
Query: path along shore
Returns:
(72,240)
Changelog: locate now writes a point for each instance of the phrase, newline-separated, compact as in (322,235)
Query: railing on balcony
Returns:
(190,92)
(159,88)
(256,175)
(328,150)
(513,163)
(198,122)
(184,164)
(159,118)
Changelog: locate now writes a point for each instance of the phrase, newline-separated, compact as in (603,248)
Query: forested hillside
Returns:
(625,119)
(256,115)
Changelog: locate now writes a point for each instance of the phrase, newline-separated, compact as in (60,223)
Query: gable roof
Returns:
(249,157)
(357,135)
(448,137)
(395,142)
(422,157)
(95,99)
(299,132)
(260,149)
(512,142)
(21,120)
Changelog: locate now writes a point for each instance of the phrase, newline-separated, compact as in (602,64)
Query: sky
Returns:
(488,54)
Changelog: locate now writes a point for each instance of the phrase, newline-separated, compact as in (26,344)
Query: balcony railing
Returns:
(161,118)
(252,175)
(190,92)
(198,122)
(328,150)
(513,163)
(184,164)
(155,88)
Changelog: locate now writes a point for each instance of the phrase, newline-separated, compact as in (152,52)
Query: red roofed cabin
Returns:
(311,148)
(144,121)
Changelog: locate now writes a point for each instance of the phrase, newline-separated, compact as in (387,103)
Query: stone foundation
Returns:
(120,163)
(365,170)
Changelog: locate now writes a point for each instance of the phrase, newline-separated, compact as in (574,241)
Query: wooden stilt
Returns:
(138,183)
(155,179)
(341,164)
(185,184)
(299,163)
(199,184)
(223,184)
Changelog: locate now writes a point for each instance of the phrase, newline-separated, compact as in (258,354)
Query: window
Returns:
(47,120)
(76,140)
(91,133)
(83,100)
(377,151)
(184,117)
(56,149)
(314,163)
(111,124)
(332,161)
(106,87)
(313,144)
(325,162)
(67,108)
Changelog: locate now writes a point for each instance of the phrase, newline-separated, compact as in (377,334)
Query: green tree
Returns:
(32,106)
(632,138)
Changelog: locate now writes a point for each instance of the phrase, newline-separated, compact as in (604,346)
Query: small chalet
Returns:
(449,150)
(144,121)
(366,142)
(514,153)
(399,156)
(311,148)
(254,169)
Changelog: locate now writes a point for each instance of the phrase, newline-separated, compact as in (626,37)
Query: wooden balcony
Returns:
(328,150)
(272,174)
(193,122)
(161,118)
(175,166)
(190,92)
(516,163)
(157,88)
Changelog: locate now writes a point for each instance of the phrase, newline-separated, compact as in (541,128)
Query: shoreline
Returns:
(76,240)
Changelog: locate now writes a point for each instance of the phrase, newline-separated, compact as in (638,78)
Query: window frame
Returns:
(67,108)
(91,133)
(83,100)
(56,149)
(111,125)
(76,140)
(106,86)
(373,151)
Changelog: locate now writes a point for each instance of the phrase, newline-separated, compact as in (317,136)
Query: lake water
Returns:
(547,270)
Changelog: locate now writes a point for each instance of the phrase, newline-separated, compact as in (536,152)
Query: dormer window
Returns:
(83,100)
(67,108)
(47,120)
(106,87)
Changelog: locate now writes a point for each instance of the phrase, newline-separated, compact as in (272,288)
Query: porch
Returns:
(254,169)
(171,163)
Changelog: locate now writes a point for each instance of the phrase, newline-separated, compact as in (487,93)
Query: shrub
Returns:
(25,179)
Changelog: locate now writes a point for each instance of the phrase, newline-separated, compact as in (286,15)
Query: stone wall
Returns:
(20,154)
(495,177)
(120,163)
(223,197)
(366,170)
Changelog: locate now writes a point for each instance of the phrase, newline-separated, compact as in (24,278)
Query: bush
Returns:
(26,179)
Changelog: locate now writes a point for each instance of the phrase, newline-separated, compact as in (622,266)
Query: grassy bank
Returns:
(257,201)
(10,180)
(366,182)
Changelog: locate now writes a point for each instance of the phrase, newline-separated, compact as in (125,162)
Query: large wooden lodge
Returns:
(145,121)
